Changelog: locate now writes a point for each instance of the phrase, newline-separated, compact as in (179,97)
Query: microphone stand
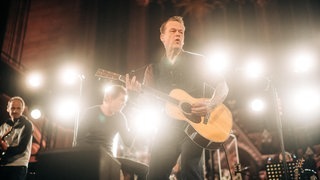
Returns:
(77,117)
(279,125)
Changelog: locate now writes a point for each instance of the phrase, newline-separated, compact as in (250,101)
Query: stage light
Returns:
(254,67)
(70,75)
(65,108)
(107,87)
(257,105)
(306,100)
(34,80)
(146,120)
(35,114)
(218,60)
(302,60)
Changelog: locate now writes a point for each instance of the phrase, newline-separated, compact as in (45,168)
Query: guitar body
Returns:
(215,128)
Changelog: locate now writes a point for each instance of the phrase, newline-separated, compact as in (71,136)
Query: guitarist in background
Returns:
(16,141)
(179,69)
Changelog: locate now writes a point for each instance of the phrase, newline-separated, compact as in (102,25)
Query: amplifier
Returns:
(78,164)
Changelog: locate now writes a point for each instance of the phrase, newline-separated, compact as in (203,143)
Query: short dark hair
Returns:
(114,91)
(173,18)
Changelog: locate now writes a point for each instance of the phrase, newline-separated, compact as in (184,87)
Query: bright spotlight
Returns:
(257,105)
(66,108)
(70,76)
(35,114)
(107,87)
(303,61)
(146,120)
(218,60)
(35,80)
(307,100)
(254,68)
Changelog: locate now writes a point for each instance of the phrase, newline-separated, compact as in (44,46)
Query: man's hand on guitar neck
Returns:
(133,84)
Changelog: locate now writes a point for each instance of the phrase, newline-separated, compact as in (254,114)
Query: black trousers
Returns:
(13,172)
(167,147)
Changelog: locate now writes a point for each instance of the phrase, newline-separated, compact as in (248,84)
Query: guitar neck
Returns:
(114,76)
(160,95)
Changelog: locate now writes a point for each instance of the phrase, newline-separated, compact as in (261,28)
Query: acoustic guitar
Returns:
(206,131)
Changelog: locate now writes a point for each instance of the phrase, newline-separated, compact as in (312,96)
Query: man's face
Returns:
(15,109)
(173,36)
(118,103)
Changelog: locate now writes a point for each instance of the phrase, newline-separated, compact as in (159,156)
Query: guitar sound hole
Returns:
(186,108)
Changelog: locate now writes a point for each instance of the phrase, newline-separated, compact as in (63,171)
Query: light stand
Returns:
(77,116)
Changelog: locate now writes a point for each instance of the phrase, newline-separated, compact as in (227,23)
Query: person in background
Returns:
(16,142)
(100,124)
(309,165)
(186,71)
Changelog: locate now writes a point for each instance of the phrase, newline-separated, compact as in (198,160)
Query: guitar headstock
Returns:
(102,73)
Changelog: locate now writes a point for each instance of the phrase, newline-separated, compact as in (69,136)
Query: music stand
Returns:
(275,171)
